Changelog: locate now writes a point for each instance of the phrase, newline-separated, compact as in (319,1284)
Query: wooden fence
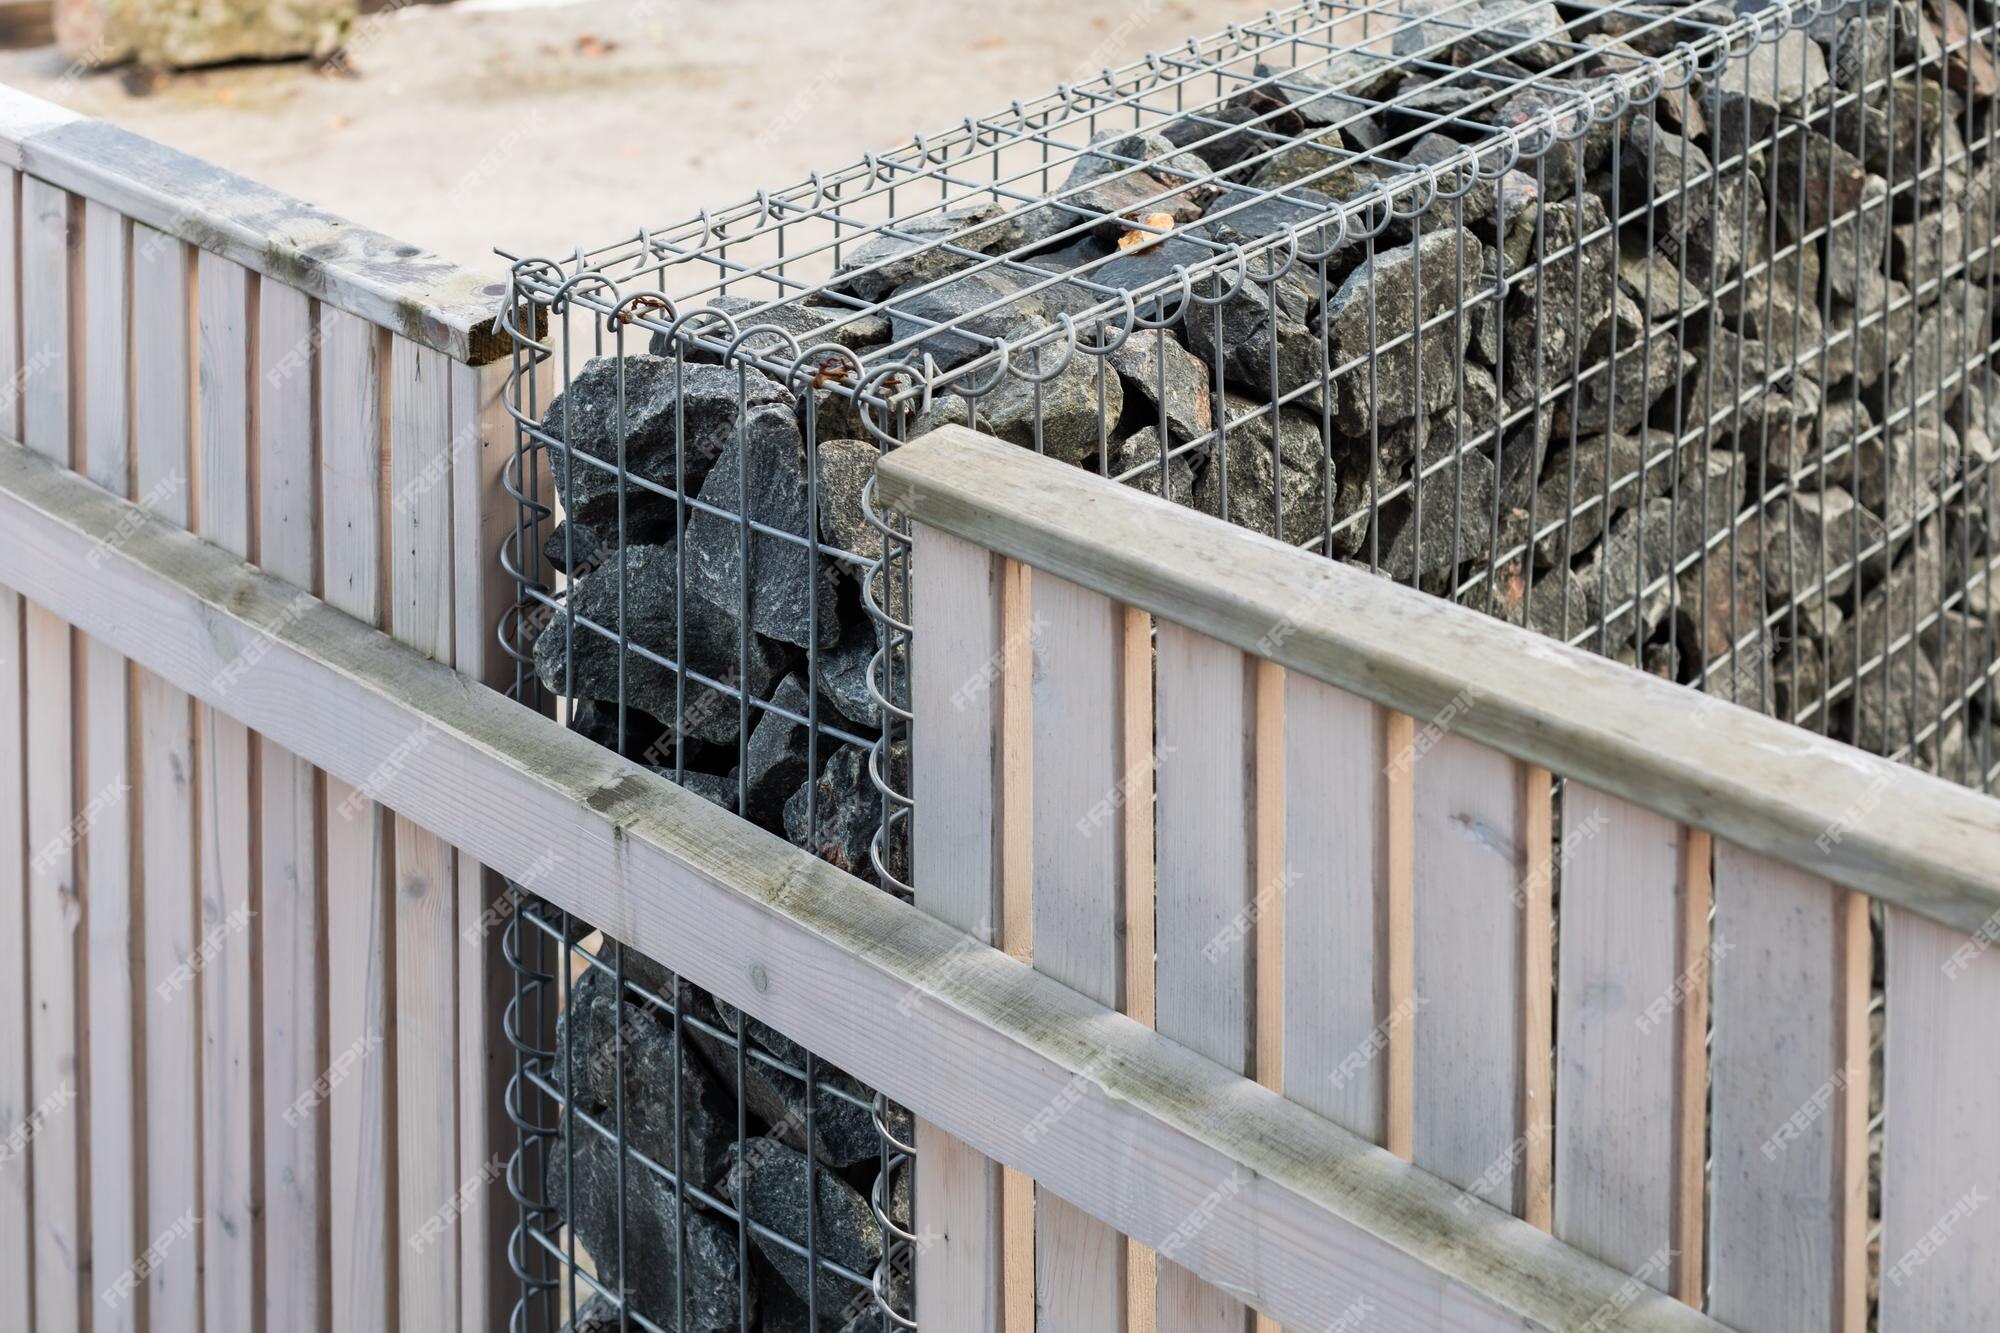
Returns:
(1233,982)
(248,1050)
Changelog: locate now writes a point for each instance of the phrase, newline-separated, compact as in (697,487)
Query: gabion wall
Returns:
(1651,327)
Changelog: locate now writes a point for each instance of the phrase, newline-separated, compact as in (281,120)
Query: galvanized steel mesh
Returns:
(1654,327)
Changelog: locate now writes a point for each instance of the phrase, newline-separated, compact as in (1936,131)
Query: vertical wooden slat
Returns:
(953,688)
(231,1124)
(1689,1282)
(1078,899)
(426,928)
(483,514)
(1338,1019)
(1017,921)
(115,957)
(1136,761)
(1784,1077)
(1470,864)
(162,415)
(1399,935)
(1622,981)
(1536,899)
(16,1262)
(1207,835)
(55,905)
(292,932)
(1940,1104)
(359,853)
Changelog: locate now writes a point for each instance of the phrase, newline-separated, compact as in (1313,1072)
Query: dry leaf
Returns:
(1135,239)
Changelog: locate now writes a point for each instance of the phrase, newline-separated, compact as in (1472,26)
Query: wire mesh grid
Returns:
(1654,327)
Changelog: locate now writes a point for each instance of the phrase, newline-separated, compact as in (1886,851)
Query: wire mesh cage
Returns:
(1651,326)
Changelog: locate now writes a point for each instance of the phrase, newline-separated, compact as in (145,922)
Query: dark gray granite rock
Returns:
(1264,493)
(1381,303)
(1162,379)
(768,1180)
(1242,331)
(844,469)
(809,326)
(774,760)
(1141,450)
(846,812)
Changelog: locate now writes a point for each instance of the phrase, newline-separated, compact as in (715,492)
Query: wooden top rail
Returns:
(979,1044)
(1883,828)
(427,299)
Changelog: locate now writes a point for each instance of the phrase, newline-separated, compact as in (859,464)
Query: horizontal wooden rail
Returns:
(425,298)
(1861,821)
(1300,1216)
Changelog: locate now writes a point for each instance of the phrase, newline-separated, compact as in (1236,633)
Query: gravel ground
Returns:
(541,127)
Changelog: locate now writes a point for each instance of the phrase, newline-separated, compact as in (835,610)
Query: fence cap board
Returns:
(425,298)
(1883,828)
(804,946)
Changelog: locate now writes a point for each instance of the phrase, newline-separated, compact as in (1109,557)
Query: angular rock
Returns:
(1530,30)
(1169,381)
(1141,450)
(1254,318)
(1698,216)
(1263,494)
(1382,303)
(914,253)
(847,811)
(652,1230)
(1061,416)
(1624,391)
(963,317)
(1809,536)
(1334,85)
(769,1182)
(649,575)
(1720,606)
(1127,174)
(843,678)
(844,468)
(1620,455)
(809,326)
(1456,524)
(657,397)
(774,760)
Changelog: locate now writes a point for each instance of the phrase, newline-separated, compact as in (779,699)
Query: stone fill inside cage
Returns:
(1659,328)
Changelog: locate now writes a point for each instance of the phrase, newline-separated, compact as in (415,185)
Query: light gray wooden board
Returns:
(388,283)
(426,928)
(56,1049)
(231,1016)
(1940,1166)
(1206,712)
(359,846)
(764,925)
(1759,782)
(1335,828)
(1776,1071)
(163,448)
(292,936)
(1075,641)
(16,1261)
(1616,1053)
(116,956)
(954,690)
(1466,1093)
(483,518)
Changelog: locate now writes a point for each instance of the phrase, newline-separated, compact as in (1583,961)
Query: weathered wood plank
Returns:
(116,959)
(56,1045)
(292,932)
(1794,796)
(1078,903)
(1470,862)
(1621,985)
(231,1124)
(426,929)
(16,1261)
(1207,850)
(392,285)
(1788,1098)
(1940,1228)
(954,686)
(1135,737)
(986,1042)
(360,861)
(163,449)
(483,516)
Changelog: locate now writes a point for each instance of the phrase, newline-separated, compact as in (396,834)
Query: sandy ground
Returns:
(480,124)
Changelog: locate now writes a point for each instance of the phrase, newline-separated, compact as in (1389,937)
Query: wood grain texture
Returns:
(1621,983)
(57,1048)
(1337,1019)
(1207,850)
(1399,936)
(426,298)
(1538,984)
(1794,796)
(292,928)
(1940,1225)
(1777,1205)
(1017,917)
(421,451)
(163,448)
(1690,1275)
(360,845)
(986,1046)
(1135,738)
(483,516)
(954,684)
(1467,1073)
(16,1244)
(116,958)
(227,981)
(1077,901)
